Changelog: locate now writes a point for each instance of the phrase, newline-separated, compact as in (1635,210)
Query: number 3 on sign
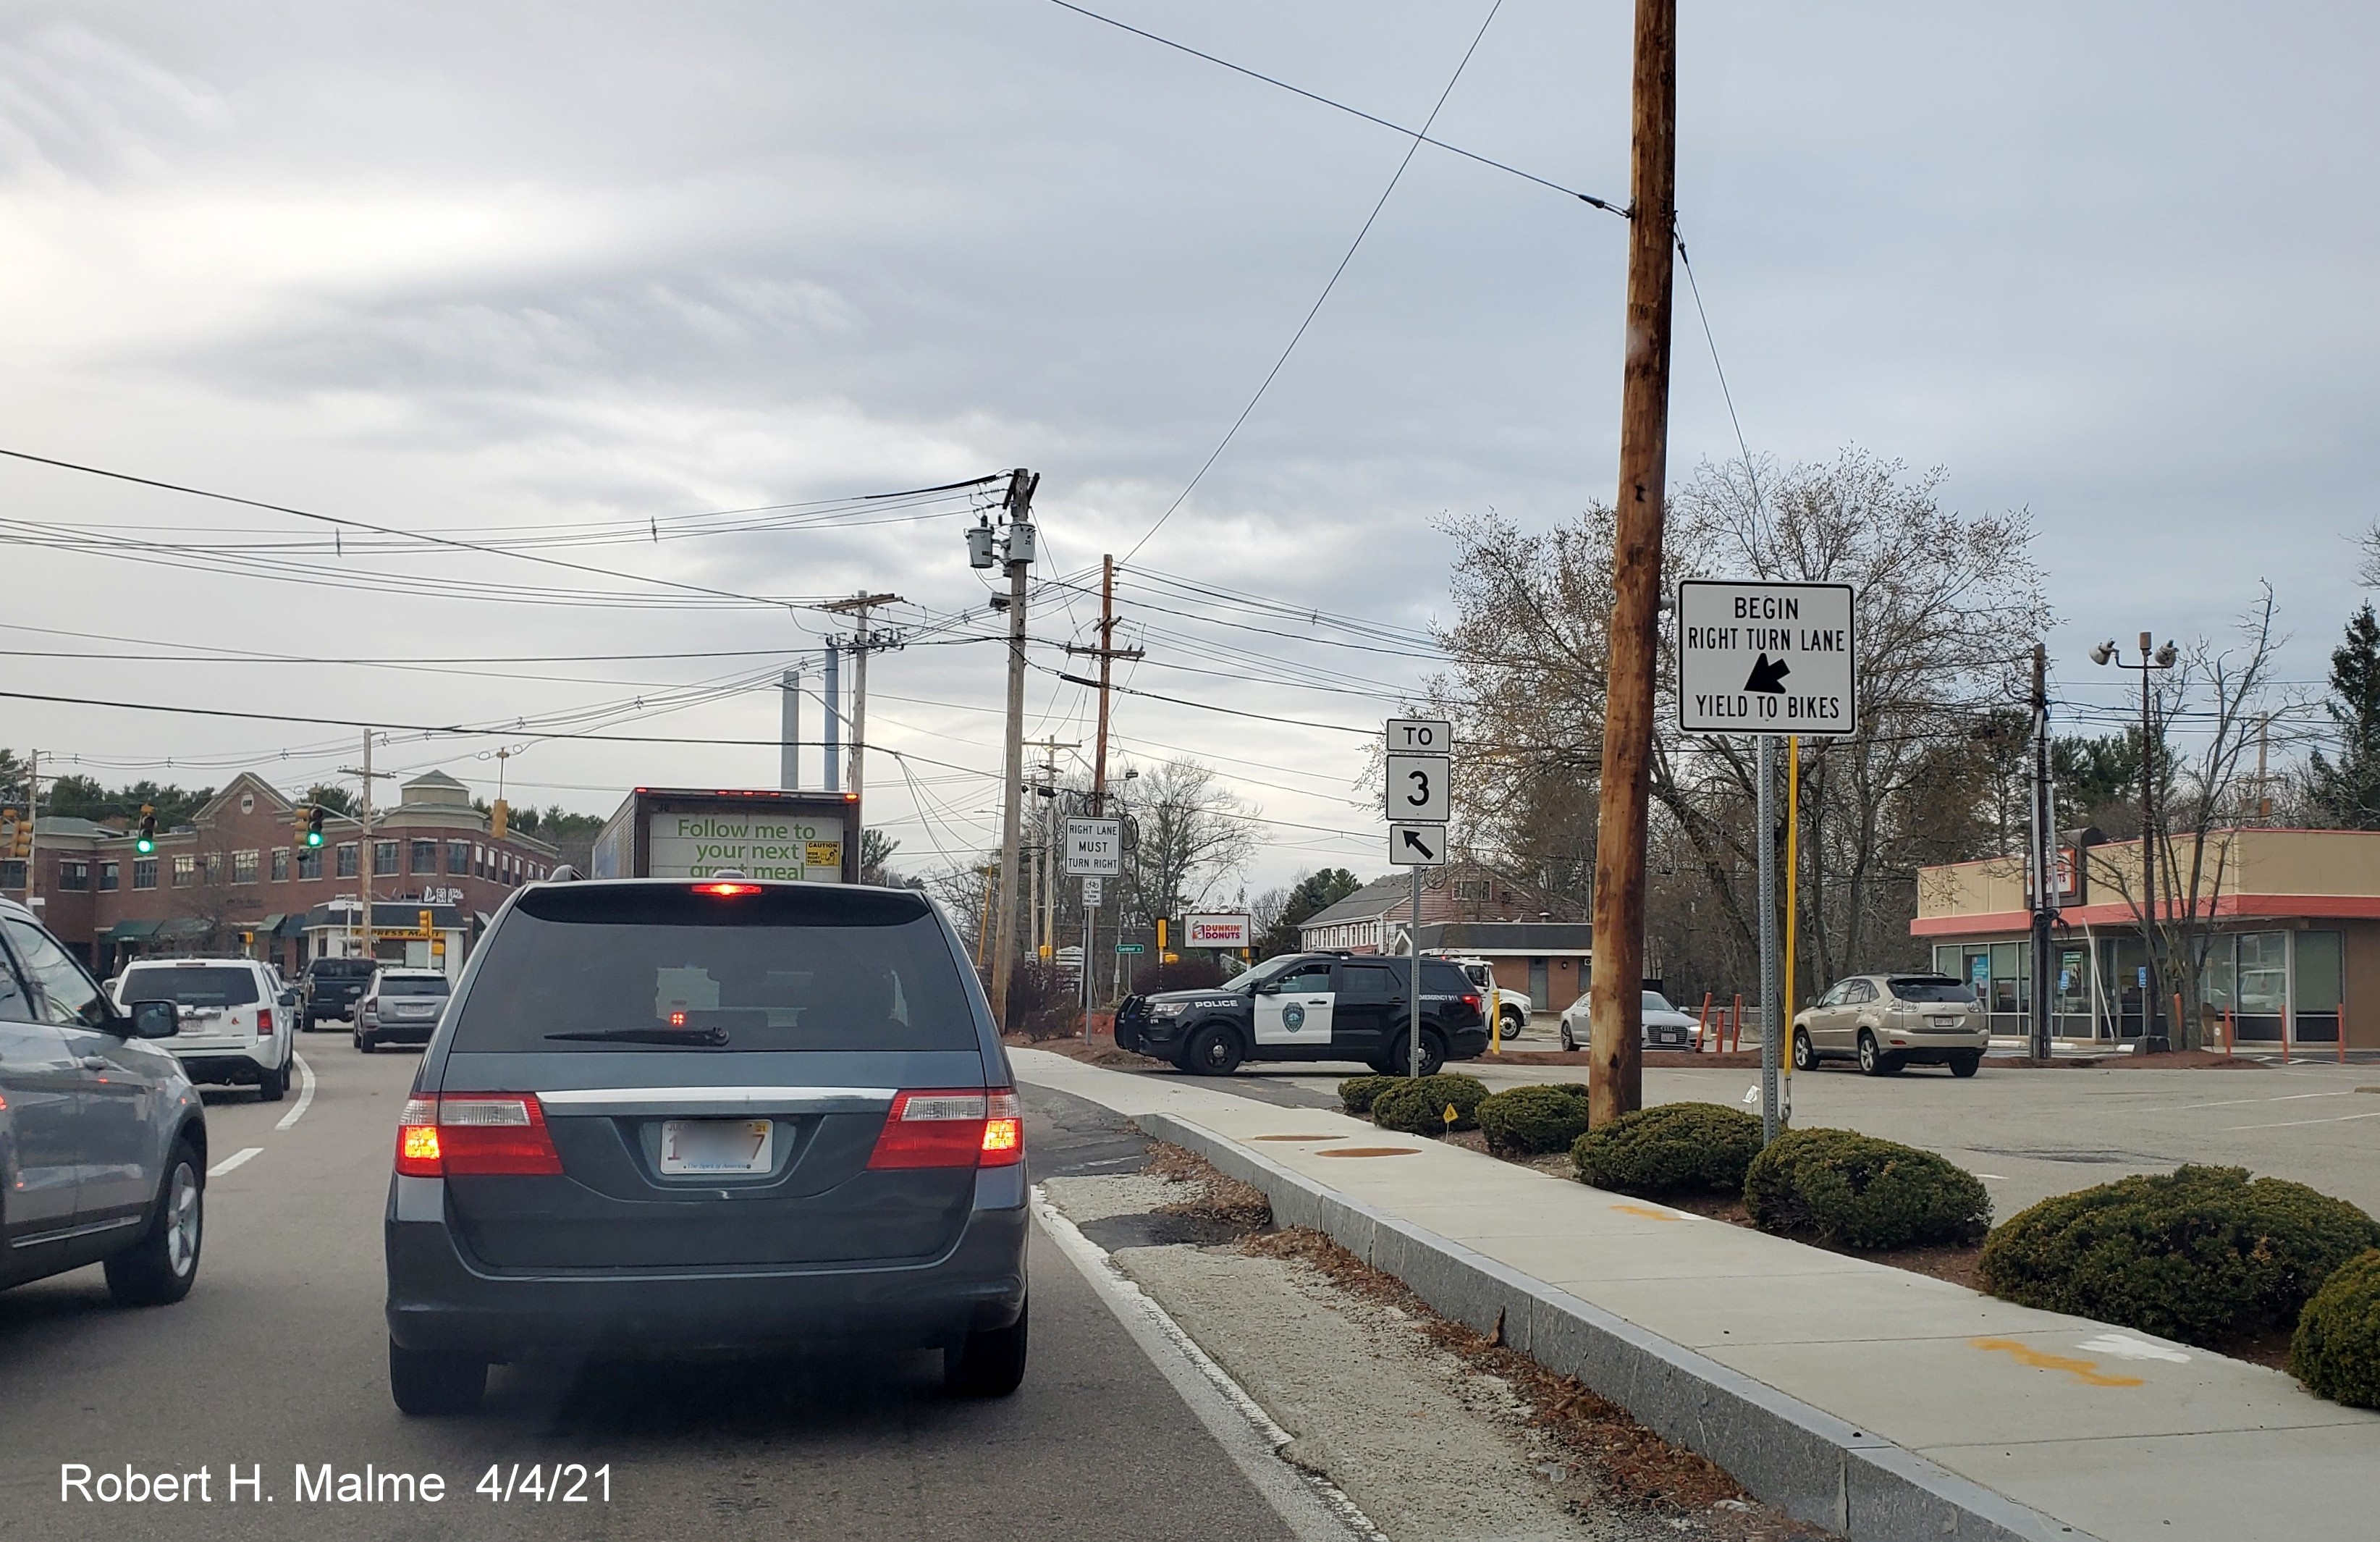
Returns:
(1417,788)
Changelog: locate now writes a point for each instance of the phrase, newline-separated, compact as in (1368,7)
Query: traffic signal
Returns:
(146,842)
(313,826)
(427,930)
(500,820)
(1161,936)
(21,845)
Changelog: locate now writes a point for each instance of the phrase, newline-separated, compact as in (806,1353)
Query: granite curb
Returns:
(1804,1461)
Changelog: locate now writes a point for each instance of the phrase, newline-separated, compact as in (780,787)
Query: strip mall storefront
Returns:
(2291,928)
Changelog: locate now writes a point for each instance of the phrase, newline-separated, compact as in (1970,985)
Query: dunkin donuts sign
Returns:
(1217,931)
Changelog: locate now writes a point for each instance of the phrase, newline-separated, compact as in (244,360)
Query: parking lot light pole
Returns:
(2152,1041)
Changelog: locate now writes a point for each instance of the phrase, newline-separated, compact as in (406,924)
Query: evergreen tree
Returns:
(2347,790)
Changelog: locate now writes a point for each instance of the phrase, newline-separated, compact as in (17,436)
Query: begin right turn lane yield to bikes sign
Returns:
(1760,658)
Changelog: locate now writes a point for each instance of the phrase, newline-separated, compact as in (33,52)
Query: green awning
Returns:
(183,926)
(132,931)
(271,923)
(292,925)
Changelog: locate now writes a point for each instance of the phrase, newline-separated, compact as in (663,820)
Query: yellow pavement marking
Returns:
(1648,1212)
(1372,1151)
(2085,1371)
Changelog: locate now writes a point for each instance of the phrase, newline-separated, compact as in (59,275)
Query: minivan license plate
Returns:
(716,1146)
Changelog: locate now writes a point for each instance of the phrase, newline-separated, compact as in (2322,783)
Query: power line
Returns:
(1411,151)
(342,523)
(1341,107)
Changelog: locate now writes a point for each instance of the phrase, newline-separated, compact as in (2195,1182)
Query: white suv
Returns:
(237,1022)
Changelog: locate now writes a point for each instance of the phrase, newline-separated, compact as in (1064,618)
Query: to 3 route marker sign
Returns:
(1762,658)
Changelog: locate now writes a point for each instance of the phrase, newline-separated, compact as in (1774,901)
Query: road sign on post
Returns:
(1759,658)
(1417,787)
(1417,845)
(1420,736)
(1773,660)
(1094,848)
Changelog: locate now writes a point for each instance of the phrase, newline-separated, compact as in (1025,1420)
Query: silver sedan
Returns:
(1665,1027)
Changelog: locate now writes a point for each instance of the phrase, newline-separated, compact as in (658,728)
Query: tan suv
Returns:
(1887,1021)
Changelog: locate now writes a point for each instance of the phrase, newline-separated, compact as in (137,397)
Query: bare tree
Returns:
(1948,606)
(1190,834)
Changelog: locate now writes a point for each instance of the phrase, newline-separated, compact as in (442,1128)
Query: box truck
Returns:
(692,833)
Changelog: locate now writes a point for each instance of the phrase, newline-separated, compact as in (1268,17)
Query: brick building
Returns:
(1470,909)
(234,879)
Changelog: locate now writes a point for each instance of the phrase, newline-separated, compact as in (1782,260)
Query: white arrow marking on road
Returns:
(305,1093)
(234,1160)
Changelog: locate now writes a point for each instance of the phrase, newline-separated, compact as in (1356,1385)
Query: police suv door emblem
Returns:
(1293,1016)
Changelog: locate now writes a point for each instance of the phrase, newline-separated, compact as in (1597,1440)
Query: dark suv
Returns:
(331,987)
(1311,1006)
(694,1116)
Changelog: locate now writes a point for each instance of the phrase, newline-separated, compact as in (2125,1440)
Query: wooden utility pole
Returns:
(1615,1078)
(1106,653)
(1019,556)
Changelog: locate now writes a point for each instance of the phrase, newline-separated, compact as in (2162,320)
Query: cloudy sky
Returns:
(477,269)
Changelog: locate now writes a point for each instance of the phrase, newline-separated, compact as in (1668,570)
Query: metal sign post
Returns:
(1770,1115)
(1773,660)
(1413,992)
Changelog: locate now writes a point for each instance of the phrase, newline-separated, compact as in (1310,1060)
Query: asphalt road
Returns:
(278,1358)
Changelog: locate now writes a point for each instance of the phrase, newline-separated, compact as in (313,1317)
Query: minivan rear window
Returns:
(609,969)
(413,985)
(1933,988)
(225,985)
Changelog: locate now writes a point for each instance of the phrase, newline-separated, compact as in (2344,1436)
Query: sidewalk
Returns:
(1868,1399)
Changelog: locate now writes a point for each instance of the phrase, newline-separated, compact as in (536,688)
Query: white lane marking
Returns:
(2233,1102)
(1314,1507)
(234,1160)
(305,1094)
(2287,1123)
(1994,1177)
(2123,1346)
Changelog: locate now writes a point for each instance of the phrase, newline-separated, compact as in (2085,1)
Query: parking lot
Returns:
(2030,1134)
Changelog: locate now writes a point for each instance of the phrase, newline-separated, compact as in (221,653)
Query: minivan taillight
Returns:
(951,1127)
(475,1135)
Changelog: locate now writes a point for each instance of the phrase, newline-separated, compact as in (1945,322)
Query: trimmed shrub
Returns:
(2337,1350)
(1533,1120)
(1668,1147)
(1856,1191)
(2202,1253)
(1356,1094)
(1418,1108)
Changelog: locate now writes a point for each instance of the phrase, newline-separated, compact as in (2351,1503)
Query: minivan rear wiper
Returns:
(697,1038)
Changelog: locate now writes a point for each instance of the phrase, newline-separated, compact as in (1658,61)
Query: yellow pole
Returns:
(1792,911)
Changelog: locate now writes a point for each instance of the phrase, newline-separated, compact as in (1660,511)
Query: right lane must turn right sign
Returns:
(1762,658)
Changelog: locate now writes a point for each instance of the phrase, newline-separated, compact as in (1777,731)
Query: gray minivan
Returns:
(665,1117)
(103,1140)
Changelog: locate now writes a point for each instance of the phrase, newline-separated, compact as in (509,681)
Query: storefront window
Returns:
(2320,984)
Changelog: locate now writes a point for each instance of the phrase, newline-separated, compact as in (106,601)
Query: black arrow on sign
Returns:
(1413,838)
(1768,676)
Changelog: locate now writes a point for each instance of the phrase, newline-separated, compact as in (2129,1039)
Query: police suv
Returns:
(1311,1006)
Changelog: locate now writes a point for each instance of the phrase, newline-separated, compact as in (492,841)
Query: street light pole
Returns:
(2151,991)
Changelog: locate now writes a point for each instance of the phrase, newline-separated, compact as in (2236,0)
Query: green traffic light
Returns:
(313,837)
(144,846)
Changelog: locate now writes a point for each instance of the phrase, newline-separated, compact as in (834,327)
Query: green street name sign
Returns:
(1131,947)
